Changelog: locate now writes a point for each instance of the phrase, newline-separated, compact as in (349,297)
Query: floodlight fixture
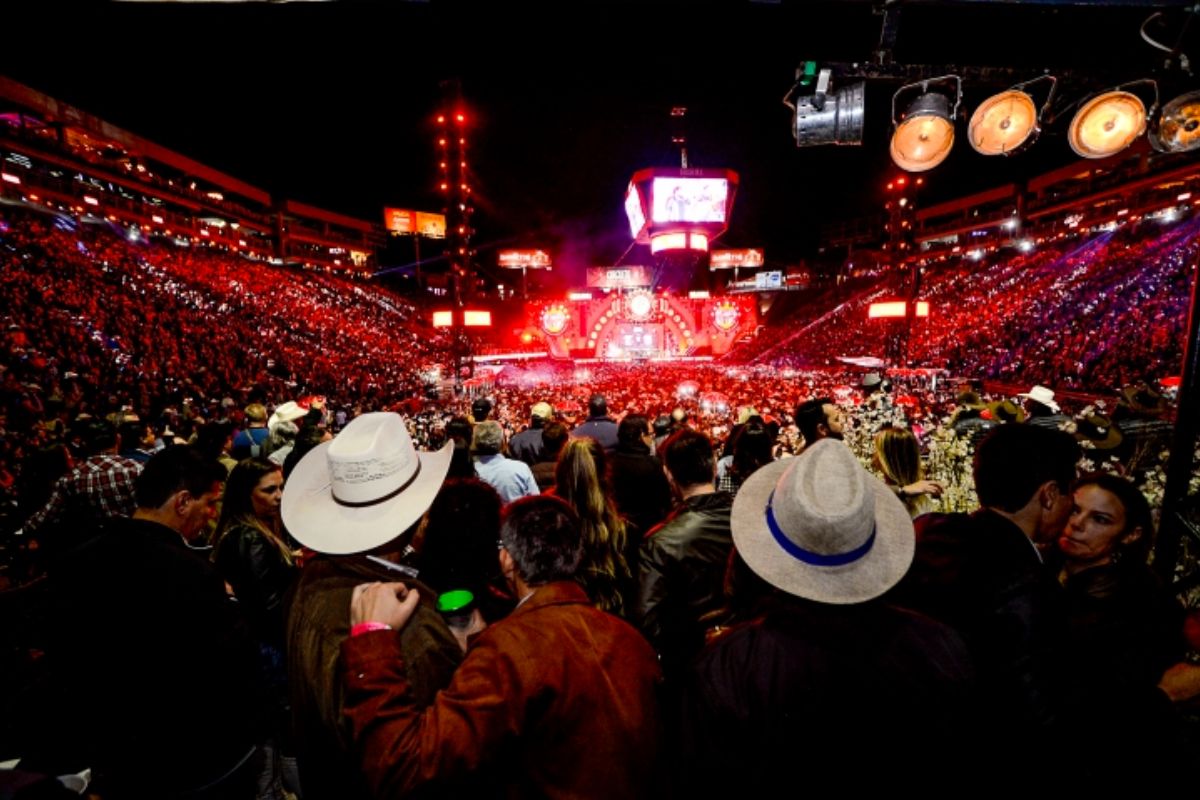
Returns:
(826,116)
(925,131)
(1177,128)
(1009,122)
(1109,122)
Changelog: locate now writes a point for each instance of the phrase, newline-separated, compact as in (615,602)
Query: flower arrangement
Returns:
(947,455)
(948,461)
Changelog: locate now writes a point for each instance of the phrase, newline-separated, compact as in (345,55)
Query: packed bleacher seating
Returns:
(1092,313)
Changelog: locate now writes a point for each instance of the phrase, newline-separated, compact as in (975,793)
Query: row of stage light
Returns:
(1005,124)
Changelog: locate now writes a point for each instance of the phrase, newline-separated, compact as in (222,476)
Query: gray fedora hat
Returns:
(820,527)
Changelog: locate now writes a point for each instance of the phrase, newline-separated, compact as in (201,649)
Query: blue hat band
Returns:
(809,557)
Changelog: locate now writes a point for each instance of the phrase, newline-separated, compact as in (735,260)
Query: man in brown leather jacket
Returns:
(558,699)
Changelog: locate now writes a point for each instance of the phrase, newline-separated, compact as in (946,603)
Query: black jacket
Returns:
(1125,628)
(681,577)
(640,488)
(156,660)
(807,686)
(981,575)
(260,578)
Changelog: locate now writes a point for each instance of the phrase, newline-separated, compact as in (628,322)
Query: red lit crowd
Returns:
(637,634)
(1092,314)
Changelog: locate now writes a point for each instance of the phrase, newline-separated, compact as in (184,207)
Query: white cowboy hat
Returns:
(820,527)
(364,488)
(1040,394)
(286,412)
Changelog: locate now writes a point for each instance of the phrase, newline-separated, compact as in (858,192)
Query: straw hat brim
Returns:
(319,523)
(1111,440)
(865,579)
(1129,396)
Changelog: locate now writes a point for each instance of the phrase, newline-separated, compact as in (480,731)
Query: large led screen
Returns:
(688,200)
(633,210)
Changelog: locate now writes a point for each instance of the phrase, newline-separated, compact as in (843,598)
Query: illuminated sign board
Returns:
(399,220)
(688,199)
(728,259)
(618,277)
(477,319)
(443,319)
(895,309)
(407,221)
(525,259)
(768,280)
(431,225)
(726,315)
(554,319)
(677,240)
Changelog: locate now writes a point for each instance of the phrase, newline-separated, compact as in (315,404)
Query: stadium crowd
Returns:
(1093,314)
(267,562)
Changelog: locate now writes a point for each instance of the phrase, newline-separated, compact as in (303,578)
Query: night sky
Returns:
(333,104)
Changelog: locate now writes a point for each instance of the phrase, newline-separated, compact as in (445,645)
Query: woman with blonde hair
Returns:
(898,459)
(580,479)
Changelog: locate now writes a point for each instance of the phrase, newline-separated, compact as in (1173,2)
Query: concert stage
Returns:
(642,325)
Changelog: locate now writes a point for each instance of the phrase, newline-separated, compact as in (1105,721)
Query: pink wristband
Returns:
(367,627)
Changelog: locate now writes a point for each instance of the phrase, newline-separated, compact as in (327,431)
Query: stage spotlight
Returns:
(828,118)
(1008,122)
(925,132)
(1177,129)
(1107,124)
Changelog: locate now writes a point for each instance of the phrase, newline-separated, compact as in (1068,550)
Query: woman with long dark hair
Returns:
(252,554)
(1125,629)
(752,447)
(250,548)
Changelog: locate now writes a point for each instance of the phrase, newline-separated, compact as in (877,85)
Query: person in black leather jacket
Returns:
(250,551)
(1125,630)
(682,561)
(639,485)
(252,555)
(985,576)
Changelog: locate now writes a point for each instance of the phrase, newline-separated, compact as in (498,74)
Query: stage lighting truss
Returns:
(1107,123)
(1009,122)
(924,133)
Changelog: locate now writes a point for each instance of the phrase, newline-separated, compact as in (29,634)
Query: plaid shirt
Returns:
(102,485)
